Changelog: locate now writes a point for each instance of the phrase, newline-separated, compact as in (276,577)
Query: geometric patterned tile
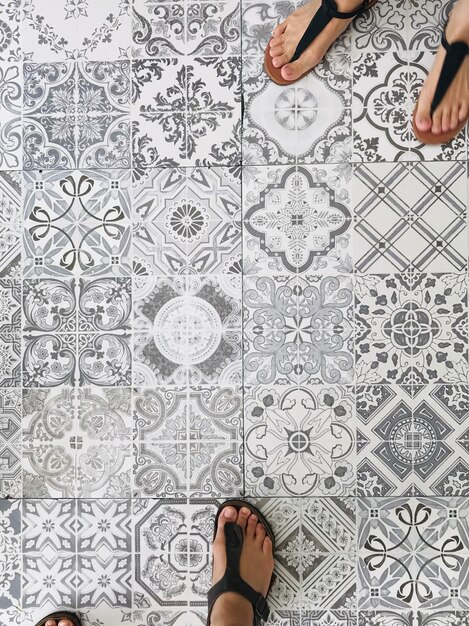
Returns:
(299,441)
(77,223)
(412,440)
(411,327)
(322,618)
(10,443)
(296,220)
(77,115)
(10,224)
(410,215)
(187,221)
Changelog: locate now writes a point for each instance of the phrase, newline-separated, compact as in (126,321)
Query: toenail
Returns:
(229,513)
(288,70)
(245,511)
(254,518)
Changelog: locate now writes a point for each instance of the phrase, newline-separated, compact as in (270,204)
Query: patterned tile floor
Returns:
(214,286)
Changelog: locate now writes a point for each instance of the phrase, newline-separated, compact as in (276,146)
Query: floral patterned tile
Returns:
(386,89)
(76,114)
(411,327)
(90,210)
(193,118)
(187,221)
(12,15)
(178,28)
(10,332)
(300,441)
(297,219)
(78,29)
(383,27)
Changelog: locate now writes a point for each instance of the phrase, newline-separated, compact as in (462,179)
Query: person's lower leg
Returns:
(231,609)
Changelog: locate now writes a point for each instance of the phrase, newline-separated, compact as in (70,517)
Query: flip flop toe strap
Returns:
(326,12)
(455,54)
(232,581)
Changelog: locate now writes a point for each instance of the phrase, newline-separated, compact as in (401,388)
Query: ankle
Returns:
(231,609)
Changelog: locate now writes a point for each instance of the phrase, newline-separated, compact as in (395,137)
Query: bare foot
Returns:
(256,564)
(454,107)
(63,622)
(287,35)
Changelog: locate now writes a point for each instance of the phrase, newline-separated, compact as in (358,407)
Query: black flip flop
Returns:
(326,12)
(456,52)
(58,615)
(231,580)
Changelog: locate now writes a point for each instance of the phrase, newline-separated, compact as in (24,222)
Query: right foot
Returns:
(255,567)
(63,622)
(287,35)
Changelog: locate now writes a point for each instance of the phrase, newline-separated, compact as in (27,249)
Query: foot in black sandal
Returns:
(299,43)
(60,618)
(241,534)
(443,105)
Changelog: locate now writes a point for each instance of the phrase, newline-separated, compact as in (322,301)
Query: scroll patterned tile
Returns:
(85,443)
(177,29)
(10,224)
(298,330)
(188,442)
(300,441)
(77,332)
(76,114)
(10,332)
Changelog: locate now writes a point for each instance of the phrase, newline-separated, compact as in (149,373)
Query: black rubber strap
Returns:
(455,54)
(326,12)
(232,581)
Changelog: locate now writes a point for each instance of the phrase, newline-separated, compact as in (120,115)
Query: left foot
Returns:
(454,107)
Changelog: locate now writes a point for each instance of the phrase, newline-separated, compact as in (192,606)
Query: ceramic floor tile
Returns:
(188,330)
(193,118)
(297,220)
(175,29)
(410,216)
(76,114)
(299,441)
(90,211)
(10,443)
(75,30)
